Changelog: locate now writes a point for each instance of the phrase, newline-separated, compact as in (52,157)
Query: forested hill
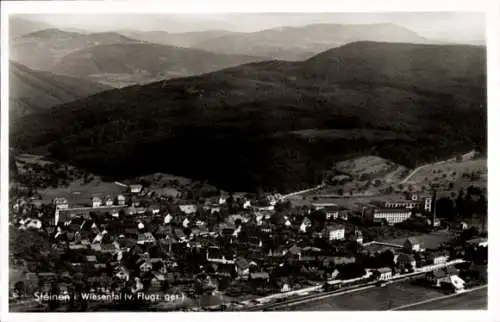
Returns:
(277,125)
(32,91)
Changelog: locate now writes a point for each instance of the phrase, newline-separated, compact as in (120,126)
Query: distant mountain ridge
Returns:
(185,39)
(42,49)
(33,91)
(19,26)
(243,127)
(297,43)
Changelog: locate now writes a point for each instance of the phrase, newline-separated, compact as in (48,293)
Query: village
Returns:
(227,250)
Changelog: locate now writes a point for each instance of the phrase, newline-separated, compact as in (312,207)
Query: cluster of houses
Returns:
(144,241)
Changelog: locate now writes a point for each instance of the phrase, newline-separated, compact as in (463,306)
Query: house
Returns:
(246,204)
(96,202)
(61,203)
(135,188)
(179,234)
(107,248)
(73,245)
(358,236)
(404,204)
(340,260)
(91,258)
(222,200)
(146,266)
(343,214)
(263,276)
(406,262)
(99,266)
(478,242)
(459,226)
(232,219)
(33,223)
(332,275)
(305,225)
(437,258)
(412,244)
(422,242)
(383,274)
(436,277)
(320,206)
(266,227)
(279,251)
(120,200)
(225,269)
(283,285)
(450,270)
(242,268)
(108,201)
(168,218)
(188,209)
(393,216)
(254,241)
(154,209)
(295,251)
(332,212)
(145,238)
(334,232)
(217,255)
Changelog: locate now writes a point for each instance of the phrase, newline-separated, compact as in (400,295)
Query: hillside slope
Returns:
(276,124)
(32,91)
(126,64)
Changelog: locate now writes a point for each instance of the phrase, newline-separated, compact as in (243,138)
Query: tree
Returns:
(20,288)
(470,233)
(353,270)
(387,259)
(445,207)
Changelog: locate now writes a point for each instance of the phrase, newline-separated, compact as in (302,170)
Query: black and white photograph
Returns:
(246,161)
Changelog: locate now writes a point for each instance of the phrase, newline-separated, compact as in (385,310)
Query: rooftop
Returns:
(384,270)
(477,240)
(392,210)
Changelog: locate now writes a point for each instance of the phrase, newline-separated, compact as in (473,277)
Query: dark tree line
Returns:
(469,202)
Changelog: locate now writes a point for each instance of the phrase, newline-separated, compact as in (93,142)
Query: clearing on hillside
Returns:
(372,167)
(452,174)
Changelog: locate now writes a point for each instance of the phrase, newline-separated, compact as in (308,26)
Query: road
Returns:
(473,300)
(413,173)
(302,191)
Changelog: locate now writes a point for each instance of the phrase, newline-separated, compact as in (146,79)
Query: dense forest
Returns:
(277,125)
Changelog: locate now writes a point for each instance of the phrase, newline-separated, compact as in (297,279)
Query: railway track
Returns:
(325,294)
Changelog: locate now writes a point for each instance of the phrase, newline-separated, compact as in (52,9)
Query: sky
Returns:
(447,25)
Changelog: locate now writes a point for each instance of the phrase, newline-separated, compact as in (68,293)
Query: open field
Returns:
(376,298)
(372,166)
(430,240)
(475,300)
(452,171)
(31,158)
